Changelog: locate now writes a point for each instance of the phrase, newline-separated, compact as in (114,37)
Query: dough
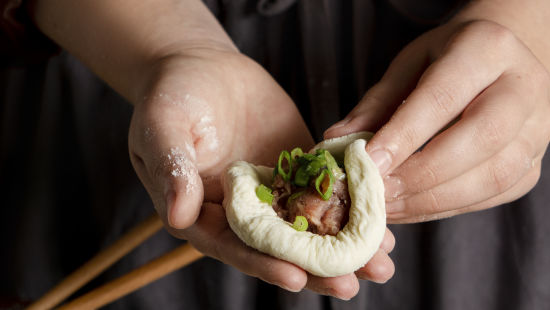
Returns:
(257,224)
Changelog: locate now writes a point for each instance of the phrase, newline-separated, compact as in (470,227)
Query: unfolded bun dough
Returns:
(256,223)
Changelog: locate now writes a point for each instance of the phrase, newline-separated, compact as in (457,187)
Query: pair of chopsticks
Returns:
(109,292)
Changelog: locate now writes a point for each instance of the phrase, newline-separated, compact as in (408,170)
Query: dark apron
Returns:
(68,188)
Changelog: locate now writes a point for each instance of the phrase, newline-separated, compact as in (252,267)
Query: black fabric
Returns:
(21,42)
(68,188)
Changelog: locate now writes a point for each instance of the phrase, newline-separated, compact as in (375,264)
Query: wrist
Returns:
(121,40)
(166,62)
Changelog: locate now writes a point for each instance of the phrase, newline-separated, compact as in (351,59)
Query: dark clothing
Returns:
(21,43)
(68,188)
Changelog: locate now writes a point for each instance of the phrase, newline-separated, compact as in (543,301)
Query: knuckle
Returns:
(534,176)
(495,34)
(488,134)
(429,176)
(408,139)
(433,202)
(421,173)
(443,101)
(502,37)
(371,99)
(500,178)
(503,174)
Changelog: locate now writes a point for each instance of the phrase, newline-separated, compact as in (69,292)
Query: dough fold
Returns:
(257,224)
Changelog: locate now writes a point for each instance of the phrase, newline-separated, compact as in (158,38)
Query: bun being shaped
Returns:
(257,224)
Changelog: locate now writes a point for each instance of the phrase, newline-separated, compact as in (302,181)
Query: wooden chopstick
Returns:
(98,263)
(135,279)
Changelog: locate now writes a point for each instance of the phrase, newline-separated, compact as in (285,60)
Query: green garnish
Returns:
(320,180)
(264,194)
(297,152)
(300,223)
(333,166)
(305,159)
(309,165)
(286,175)
(306,166)
(302,177)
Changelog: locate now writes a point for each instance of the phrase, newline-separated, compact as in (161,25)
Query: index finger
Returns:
(465,68)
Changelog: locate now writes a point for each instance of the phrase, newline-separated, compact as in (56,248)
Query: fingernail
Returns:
(382,159)
(393,187)
(395,206)
(339,124)
(344,298)
(289,289)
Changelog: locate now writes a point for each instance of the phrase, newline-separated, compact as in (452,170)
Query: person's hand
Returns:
(472,130)
(204,110)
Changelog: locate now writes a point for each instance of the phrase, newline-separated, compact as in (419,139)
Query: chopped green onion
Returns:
(320,179)
(294,196)
(264,194)
(315,166)
(309,165)
(333,166)
(302,177)
(305,159)
(300,223)
(286,175)
(297,152)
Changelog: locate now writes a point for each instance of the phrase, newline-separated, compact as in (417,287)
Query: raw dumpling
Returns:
(257,224)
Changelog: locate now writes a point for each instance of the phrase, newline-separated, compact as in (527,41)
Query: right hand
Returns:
(203,110)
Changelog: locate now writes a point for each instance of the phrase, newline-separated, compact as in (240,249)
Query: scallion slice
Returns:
(305,159)
(264,194)
(286,175)
(300,223)
(315,166)
(297,152)
(302,177)
(320,180)
(333,166)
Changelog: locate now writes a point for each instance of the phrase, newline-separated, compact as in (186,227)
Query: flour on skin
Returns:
(201,116)
(206,133)
(182,167)
(149,134)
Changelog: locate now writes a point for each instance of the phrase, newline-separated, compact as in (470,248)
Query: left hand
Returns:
(473,128)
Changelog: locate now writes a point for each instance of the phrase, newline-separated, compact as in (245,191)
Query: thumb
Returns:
(183,188)
(167,168)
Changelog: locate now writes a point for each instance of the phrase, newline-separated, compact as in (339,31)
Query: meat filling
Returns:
(325,217)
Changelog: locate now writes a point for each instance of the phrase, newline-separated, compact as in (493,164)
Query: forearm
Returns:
(122,40)
(529,20)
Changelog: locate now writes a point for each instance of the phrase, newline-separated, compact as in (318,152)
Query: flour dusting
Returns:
(191,151)
(207,133)
(149,134)
(182,167)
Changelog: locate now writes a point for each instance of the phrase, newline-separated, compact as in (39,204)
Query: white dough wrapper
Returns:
(256,223)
